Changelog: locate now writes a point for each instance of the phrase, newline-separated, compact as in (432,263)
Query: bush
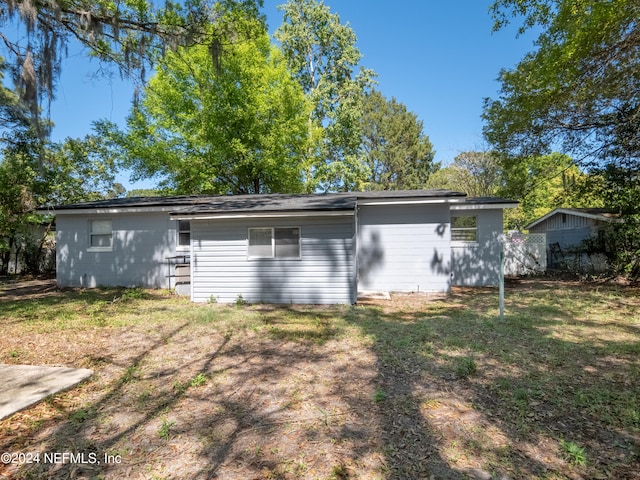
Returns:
(621,245)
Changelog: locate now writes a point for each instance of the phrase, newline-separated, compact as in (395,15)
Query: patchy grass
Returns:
(408,388)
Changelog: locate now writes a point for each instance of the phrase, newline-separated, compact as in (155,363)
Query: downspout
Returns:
(356,280)
(192,260)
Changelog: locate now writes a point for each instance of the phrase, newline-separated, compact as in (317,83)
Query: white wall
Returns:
(324,273)
(404,248)
(478,263)
(141,245)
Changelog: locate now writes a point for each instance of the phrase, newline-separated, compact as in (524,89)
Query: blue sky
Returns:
(440,59)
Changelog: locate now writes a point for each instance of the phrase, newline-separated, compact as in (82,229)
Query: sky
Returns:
(439,58)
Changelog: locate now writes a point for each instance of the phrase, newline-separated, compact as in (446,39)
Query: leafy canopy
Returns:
(394,148)
(476,173)
(578,92)
(130,34)
(322,55)
(235,126)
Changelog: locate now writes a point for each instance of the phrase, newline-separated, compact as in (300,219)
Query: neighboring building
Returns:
(319,248)
(567,229)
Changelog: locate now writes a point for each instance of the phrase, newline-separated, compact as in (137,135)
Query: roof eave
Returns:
(568,211)
(485,206)
(104,210)
(263,214)
(411,200)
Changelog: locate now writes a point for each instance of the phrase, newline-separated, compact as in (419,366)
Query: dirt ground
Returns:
(185,400)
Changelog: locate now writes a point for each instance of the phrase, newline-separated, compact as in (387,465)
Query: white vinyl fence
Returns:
(525,254)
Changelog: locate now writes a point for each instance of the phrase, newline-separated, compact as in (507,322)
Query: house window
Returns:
(100,235)
(464,229)
(274,242)
(184,234)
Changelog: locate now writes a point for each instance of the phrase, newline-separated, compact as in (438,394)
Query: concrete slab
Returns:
(24,385)
(366,295)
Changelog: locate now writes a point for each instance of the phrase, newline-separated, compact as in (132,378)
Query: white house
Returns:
(319,248)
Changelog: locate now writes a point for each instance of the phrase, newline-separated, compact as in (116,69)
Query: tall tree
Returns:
(236,126)
(476,173)
(322,54)
(129,33)
(394,147)
(579,90)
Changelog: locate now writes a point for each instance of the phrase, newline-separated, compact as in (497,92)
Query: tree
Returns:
(130,34)
(543,183)
(396,151)
(238,126)
(477,174)
(579,90)
(17,180)
(540,184)
(34,173)
(322,54)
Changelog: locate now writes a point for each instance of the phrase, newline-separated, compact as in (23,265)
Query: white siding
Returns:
(404,248)
(323,274)
(141,244)
(478,263)
(566,221)
(568,230)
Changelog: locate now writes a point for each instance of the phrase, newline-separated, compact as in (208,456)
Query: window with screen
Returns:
(464,229)
(184,233)
(100,235)
(279,242)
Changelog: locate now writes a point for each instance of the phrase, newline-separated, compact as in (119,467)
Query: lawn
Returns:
(411,388)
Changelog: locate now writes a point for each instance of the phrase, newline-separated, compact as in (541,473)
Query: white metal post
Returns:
(502,283)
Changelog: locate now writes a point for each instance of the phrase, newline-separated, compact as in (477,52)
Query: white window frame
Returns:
(93,233)
(179,247)
(273,243)
(464,229)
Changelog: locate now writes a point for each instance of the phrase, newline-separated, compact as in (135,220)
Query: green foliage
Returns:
(164,431)
(478,174)
(35,173)
(621,244)
(578,91)
(130,373)
(465,367)
(379,395)
(321,53)
(543,183)
(127,34)
(396,151)
(81,415)
(198,380)
(574,453)
(233,126)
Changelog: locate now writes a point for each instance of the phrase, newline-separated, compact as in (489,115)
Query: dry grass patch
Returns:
(415,387)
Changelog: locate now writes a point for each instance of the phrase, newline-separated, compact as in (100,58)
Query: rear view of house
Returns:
(321,248)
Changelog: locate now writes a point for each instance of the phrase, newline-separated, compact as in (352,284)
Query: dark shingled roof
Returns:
(199,204)
(270,203)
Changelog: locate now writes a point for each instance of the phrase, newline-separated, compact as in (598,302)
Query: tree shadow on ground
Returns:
(529,384)
(439,389)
